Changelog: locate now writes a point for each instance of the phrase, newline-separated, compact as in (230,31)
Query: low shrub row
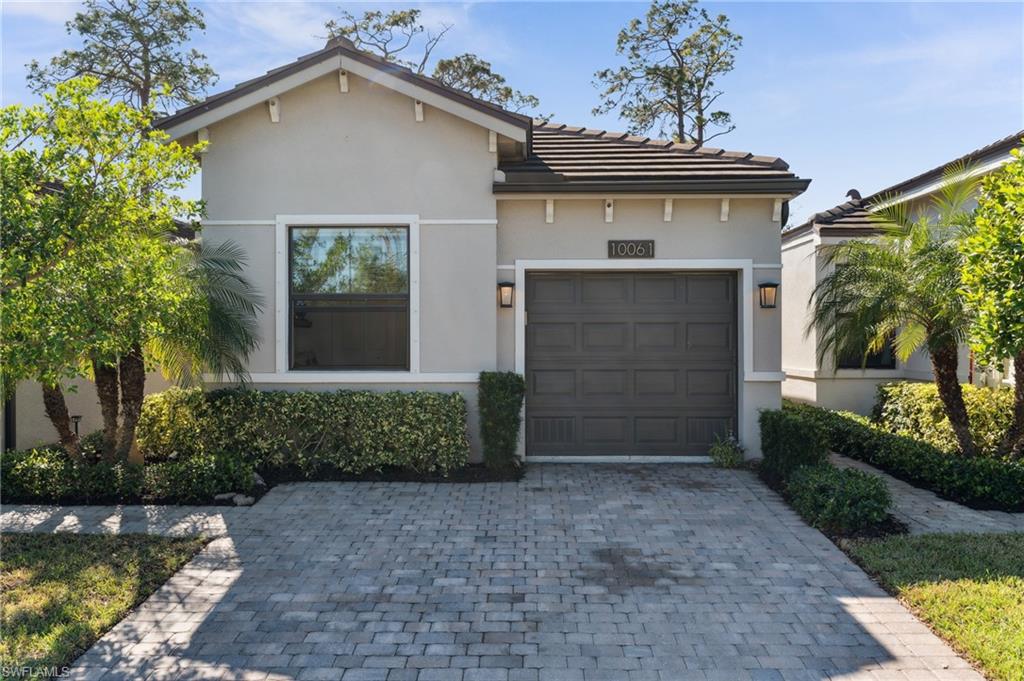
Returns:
(835,500)
(976,482)
(47,475)
(915,409)
(308,434)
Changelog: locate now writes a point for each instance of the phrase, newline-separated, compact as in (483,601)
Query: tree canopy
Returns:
(134,50)
(399,36)
(674,57)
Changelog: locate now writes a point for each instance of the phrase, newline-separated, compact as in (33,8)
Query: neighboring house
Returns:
(842,383)
(408,236)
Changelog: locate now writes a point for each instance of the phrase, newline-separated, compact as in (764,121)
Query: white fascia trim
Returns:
(237,223)
(935,186)
(767,266)
(625,458)
(361,377)
(458,221)
(283,222)
(332,65)
(589,196)
(219,113)
(433,99)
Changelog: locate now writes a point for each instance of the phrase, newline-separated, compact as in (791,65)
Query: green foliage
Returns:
(993,270)
(134,49)
(88,195)
(309,434)
(501,404)
(838,500)
(789,441)
(673,58)
(975,482)
(903,285)
(915,410)
(471,74)
(48,475)
(727,452)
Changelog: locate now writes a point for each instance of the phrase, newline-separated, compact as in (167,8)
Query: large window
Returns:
(349,297)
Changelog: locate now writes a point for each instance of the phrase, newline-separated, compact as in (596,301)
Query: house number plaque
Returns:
(643,248)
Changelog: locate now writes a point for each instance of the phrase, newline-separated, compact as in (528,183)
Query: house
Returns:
(843,383)
(407,236)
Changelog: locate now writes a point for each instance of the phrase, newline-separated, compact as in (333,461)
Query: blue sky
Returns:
(852,95)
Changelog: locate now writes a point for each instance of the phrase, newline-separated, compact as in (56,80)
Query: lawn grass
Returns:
(968,587)
(61,592)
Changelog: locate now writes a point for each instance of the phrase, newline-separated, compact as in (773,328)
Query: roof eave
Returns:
(790,187)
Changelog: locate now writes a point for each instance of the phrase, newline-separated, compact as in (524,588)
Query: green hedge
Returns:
(978,482)
(47,475)
(915,409)
(838,500)
(309,434)
(500,399)
(788,441)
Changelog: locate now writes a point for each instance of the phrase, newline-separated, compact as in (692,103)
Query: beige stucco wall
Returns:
(360,152)
(32,428)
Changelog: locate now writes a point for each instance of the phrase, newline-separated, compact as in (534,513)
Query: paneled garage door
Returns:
(629,363)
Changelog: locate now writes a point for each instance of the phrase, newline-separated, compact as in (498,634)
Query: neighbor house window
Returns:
(883,359)
(349,297)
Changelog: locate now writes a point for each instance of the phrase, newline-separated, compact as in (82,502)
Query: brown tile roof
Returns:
(334,47)
(854,214)
(565,158)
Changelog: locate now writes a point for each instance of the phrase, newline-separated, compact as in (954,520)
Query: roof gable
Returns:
(339,55)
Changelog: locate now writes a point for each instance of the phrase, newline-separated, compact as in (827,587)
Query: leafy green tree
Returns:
(398,36)
(391,35)
(993,277)
(905,285)
(472,74)
(134,49)
(674,57)
(88,195)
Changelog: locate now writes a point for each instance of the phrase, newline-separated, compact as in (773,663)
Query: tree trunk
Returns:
(57,411)
(944,364)
(1013,443)
(106,390)
(132,370)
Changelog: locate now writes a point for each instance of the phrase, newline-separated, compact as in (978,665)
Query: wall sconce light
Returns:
(76,420)
(505,290)
(769,293)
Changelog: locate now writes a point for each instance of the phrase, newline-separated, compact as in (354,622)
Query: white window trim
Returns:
(746,288)
(283,373)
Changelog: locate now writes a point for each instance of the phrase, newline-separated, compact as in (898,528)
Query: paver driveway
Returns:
(577,572)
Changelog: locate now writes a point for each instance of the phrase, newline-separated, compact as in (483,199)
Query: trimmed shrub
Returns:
(47,475)
(838,500)
(788,441)
(500,399)
(727,452)
(197,479)
(977,482)
(915,409)
(308,434)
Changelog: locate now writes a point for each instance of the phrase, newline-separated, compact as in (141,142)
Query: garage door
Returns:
(629,363)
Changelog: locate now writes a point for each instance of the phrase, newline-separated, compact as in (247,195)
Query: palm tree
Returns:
(904,286)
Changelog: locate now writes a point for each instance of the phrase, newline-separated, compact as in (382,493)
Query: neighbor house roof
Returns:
(338,54)
(853,217)
(573,159)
